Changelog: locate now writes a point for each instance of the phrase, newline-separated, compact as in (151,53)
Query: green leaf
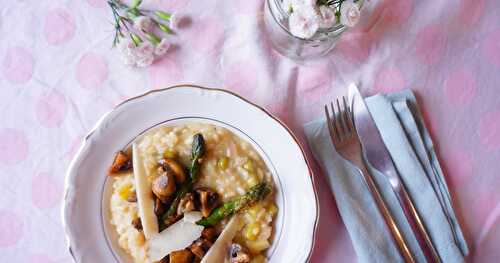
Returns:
(154,39)
(165,28)
(136,39)
(163,15)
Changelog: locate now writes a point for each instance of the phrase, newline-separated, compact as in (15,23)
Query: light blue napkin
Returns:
(400,123)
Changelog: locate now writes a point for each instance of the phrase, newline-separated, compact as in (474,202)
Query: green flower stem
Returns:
(330,2)
(154,39)
(135,4)
(163,15)
(337,3)
(117,4)
(133,13)
(136,39)
(164,28)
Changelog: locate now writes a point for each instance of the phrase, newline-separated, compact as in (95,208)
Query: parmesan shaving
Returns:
(220,250)
(176,237)
(144,196)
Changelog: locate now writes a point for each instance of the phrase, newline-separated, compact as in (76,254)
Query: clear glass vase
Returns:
(276,25)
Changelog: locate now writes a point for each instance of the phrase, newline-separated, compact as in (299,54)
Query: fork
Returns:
(346,142)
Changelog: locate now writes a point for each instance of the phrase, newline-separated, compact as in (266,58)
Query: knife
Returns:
(378,156)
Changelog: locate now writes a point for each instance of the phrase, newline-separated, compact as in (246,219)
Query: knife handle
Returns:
(396,234)
(416,224)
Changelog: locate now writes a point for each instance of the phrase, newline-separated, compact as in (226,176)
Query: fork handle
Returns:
(396,234)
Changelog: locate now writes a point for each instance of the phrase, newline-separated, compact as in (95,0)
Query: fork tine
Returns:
(340,121)
(344,119)
(338,132)
(336,122)
(346,115)
(329,123)
(350,116)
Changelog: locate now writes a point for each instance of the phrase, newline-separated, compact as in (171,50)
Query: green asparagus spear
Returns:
(197,153)
(255,194)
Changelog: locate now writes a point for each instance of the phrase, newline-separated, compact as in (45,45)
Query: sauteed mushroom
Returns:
(137,223)
(159,207)
(166,259)
(164,186)
(186,204)
(178,170)
(171,220)
(238,254)
(200,247)
(181,256)
(121,163)
(209,233)
(208,200)
(132,197)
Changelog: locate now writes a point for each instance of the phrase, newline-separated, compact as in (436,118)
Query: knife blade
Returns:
(377,154)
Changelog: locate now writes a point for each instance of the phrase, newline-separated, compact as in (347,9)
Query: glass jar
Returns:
(276,25)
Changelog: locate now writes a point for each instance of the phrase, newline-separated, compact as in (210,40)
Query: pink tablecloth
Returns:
(58,75)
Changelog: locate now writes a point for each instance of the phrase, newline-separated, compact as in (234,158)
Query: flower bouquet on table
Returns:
(138,32)
(308,16)
(305,29)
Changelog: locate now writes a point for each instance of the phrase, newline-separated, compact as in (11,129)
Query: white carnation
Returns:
(132,55)
(129,60)
(144,49)
(349,13)
(145,61)
(143,23)
(304,22)
(126,46)
(328,18)
(127,51)
(162,47)
(173,22)
(298,3)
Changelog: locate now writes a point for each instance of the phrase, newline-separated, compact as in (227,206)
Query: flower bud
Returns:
(304,22)
(349,13)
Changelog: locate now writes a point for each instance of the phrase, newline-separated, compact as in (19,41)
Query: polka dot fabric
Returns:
(58,75)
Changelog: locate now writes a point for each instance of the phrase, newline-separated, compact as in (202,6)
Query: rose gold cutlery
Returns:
(346,142)
(379,157)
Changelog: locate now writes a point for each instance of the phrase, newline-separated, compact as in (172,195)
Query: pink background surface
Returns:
(58,75)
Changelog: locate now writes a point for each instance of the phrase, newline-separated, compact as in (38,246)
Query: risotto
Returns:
(227,179)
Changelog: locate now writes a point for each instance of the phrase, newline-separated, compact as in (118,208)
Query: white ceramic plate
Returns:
(86,205)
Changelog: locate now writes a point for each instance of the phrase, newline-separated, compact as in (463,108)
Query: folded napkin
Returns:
(400,123)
